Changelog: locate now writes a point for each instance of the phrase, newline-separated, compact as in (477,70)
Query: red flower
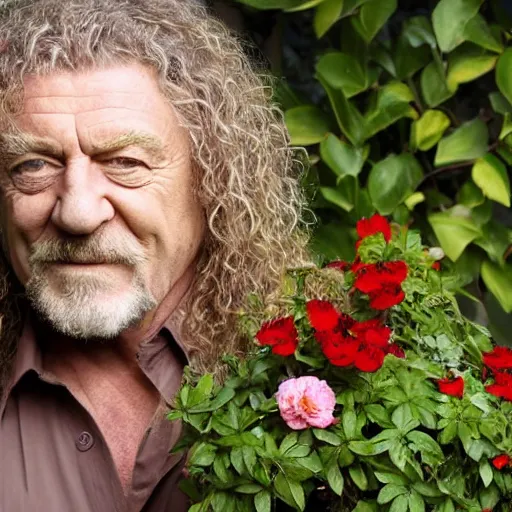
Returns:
(502,386)
(436,265)
(322,315)
(280,334)
(372,226)
(339,265)
(499,359)
(382,282)
(452,387)
(396,350)
(501,461)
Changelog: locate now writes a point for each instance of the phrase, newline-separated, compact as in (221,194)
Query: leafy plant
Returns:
(411,117)
(388,398)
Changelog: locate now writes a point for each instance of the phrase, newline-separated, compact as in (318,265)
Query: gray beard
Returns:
(87,306)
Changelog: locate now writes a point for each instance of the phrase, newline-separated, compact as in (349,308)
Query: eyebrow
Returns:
(13,145)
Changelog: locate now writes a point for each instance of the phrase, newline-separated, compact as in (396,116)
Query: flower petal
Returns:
(322,315)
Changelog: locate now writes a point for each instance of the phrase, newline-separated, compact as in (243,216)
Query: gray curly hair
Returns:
(246,172)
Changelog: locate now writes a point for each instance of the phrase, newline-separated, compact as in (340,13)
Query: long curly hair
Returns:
(246,174)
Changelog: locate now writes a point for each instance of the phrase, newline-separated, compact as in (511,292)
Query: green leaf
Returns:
(478,32)
(454,233)
(403,418)
(499,282)
(416,502)
(485,471)
(427,131)
(308,4)
(408,60)
(224,396)
(343,71)
(467,65)
(495,241)
(434,87)
(349,119)
(342,158)
(401,504)
(418,32)
(334,477)
(431,453)
(503,74)
(263,501)
(306,124)
(327,13)
(290,491)
(342,196)
(392,180)
(468,142)
(327,437)
(349,422)
(390,492)
(470,195)
(499,103)
(202,455)
(450,18)
(248,489)
(358,477)
(202,390)
(490,174)
(372,17)
(392,104)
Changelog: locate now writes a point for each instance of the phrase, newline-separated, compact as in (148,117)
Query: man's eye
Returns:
(29,166)
(125,163)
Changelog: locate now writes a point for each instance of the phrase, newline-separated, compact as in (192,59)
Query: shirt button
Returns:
(84,442)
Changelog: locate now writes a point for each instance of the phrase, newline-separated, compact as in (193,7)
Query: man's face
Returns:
(99,215)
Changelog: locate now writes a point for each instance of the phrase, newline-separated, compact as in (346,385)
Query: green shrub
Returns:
(414,121)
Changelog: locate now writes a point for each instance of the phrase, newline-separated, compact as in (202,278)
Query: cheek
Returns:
(24,219)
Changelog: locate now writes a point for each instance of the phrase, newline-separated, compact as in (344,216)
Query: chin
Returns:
(89,306)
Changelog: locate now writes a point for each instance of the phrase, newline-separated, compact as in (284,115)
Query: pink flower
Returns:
(306,402)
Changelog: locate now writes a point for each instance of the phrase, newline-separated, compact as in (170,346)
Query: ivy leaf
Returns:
(466,143)
(326,15)
(490,174)
(306,124)
(454,233)
(450,18)
(304,5)
(349,119)
(391,105)
(466,65)
(503,75)
(342,158)
(393,180)
(499,282)
(372,17)
(343,71)
(427,131)
(478,32)
(434,87)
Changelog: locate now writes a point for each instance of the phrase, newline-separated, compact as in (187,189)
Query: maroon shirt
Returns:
(53,458)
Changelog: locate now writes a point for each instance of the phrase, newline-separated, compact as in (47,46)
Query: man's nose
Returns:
(82,206)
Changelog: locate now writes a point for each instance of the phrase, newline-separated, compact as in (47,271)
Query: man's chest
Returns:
(53,456)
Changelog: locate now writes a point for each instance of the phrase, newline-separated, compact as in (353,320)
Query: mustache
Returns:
(91,250)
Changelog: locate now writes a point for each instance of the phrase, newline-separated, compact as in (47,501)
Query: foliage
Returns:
(411,116)
(419,427)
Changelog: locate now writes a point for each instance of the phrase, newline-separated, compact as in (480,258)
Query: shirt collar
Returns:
(152,349)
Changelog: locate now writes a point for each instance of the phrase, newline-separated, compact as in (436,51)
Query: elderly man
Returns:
(146,190)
